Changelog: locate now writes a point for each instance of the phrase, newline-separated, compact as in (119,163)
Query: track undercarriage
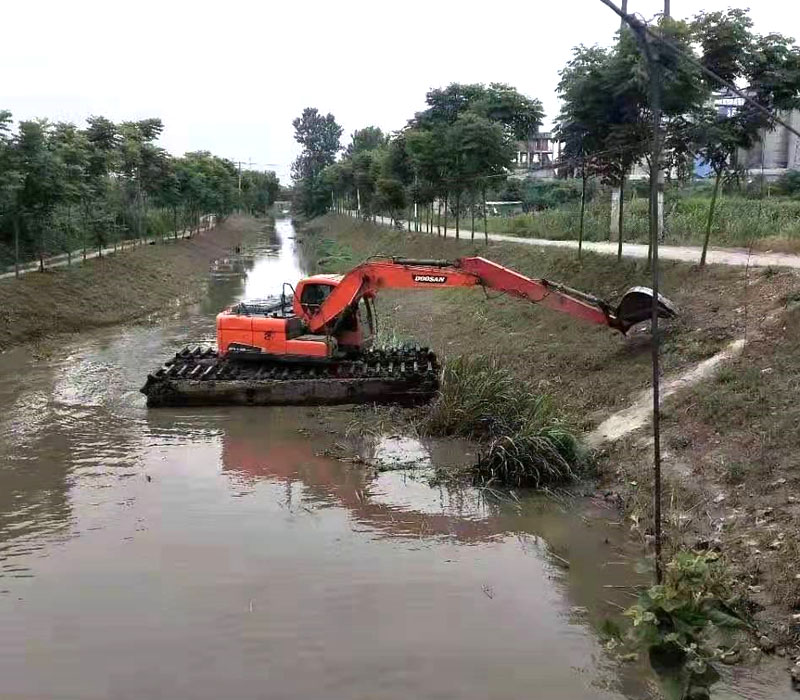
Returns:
(199,377)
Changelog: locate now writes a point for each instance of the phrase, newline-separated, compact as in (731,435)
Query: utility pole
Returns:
(624,9)
(651,48)
(656,197)
(666,8)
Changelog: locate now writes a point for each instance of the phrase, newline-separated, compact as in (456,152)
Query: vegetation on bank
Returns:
(606,115)
(739,221)
(446,158)
(687,624)
(65,188)
(525,442)
(117,288)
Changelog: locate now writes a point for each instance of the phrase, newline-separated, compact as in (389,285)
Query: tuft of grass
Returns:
(527,444)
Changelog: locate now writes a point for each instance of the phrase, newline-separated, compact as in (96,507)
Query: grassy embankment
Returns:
(739,222)
(114,289)
(729,443)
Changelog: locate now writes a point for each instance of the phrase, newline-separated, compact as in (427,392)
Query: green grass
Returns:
(526,443)
(738,220)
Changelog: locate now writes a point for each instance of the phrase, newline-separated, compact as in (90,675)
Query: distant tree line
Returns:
(605,119)
(64,188)
(448,155)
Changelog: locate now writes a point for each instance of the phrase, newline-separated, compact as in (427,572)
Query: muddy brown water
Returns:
(220,553)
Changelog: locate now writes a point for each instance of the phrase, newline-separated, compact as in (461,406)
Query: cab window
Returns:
(314,294)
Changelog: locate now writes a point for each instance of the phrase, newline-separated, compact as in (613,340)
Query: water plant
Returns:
(525,442)
(687,623)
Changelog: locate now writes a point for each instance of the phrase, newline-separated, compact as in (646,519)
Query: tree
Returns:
(770,67)
(481,150)
(259,191)
(606,119)
(42,185)
(440,154)
(61,185)
(72,148)
(319,137)
(11,180)
(366,139)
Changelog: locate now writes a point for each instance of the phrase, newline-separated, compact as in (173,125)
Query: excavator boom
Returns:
(407,273)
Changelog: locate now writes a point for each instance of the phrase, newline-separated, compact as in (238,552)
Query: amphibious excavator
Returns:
(316,343)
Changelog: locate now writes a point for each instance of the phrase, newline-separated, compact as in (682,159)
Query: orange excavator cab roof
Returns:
(324,279)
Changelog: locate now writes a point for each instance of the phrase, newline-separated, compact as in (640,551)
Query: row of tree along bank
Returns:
(447,158)
(117,288)
(450,156)
(64,188)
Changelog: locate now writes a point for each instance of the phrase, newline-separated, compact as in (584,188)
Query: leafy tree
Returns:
(768,65)
(480,150)
(440,154)
(519,115)
(319,137)
(11,179)
(60,184)
(259,190)
(366,139)
(42,186)
(605,118)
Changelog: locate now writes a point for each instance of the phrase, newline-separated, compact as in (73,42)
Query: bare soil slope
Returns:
(113,289)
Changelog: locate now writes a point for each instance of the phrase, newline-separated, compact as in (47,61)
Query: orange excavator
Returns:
(317,345)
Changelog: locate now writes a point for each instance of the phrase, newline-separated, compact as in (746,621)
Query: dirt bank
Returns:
(730,441)
(114,289)
(589,370)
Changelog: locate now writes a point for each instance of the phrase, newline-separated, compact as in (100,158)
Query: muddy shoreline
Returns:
(122,287)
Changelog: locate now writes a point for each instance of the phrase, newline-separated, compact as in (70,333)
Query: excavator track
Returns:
(199,377)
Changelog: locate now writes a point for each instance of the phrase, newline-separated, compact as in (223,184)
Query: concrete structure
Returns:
(779,148)
(536,154)
(504,208)
(777,151)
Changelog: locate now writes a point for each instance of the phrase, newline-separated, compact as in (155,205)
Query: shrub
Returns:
(526,442)
(685,623)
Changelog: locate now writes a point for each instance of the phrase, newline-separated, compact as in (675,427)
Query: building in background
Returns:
(537,156)
(777,151)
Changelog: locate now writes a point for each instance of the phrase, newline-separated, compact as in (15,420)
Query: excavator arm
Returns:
(405,273)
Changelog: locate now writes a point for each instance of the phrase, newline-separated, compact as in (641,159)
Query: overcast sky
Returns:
(229,77)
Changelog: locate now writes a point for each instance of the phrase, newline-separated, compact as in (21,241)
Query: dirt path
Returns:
(716,256)
(635,416)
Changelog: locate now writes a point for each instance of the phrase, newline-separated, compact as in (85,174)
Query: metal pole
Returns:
(651,44)
(666,8)
(651,50)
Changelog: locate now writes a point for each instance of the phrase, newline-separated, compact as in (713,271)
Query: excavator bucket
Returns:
(637,306)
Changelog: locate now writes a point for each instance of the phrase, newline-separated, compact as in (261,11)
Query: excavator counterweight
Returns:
(317,346)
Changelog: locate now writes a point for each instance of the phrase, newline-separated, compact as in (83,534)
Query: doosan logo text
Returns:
(431,279)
